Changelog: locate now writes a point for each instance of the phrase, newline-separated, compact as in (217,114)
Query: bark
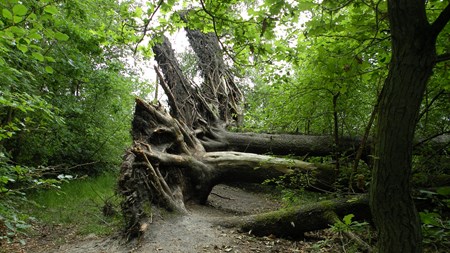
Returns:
(280,144)
(167,166)
(293,222)
(185,101)
(413,58)
(219,87)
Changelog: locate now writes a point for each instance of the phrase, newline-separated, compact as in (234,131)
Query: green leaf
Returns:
(17,19)
(49,59)
(49,69)
(444,191)
(20,10)
(7,14)
(35,36)
(51,9)
(19,31)
(38,56)
(22,48)
(138,12)
(61,36)
(305,6)
(348,219)
(429,218)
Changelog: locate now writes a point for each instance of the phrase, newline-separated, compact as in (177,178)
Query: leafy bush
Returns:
(15,182)
(436,222)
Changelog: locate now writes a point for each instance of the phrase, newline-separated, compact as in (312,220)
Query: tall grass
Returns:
(79,204)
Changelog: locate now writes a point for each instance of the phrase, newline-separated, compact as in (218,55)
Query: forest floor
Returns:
(194,232)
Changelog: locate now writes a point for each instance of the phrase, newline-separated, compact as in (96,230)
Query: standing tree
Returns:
(413,58)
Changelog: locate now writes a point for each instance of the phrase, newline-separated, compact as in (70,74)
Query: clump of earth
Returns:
(192,233)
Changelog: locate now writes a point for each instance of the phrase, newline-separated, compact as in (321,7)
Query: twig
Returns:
(144,33)
(212,193)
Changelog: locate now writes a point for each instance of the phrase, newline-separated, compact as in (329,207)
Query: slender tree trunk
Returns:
(337,153)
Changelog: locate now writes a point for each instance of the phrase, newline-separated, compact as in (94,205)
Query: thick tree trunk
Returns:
(391,202)
(279,144)
(185,101)
(413,57)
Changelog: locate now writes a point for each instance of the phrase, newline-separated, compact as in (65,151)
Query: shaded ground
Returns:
(192,233)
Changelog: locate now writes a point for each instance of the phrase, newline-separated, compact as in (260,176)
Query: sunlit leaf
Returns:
(35,36)
(22,48)
(51,9)
(38,56)
(17,19)
(49,69)
(348,219)
(61,36)
(7,14)
(19,31)
(20,10)
(49,59)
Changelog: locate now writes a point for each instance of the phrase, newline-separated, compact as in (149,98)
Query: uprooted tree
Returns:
(180,156)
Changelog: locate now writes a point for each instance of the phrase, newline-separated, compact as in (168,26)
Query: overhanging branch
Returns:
(442,57)
(441,21)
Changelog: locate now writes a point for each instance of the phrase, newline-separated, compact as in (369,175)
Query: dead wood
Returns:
(168,166)
(293,222)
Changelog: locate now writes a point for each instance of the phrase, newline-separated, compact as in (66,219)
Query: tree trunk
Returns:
(279,144)
(218,86)
(413,57)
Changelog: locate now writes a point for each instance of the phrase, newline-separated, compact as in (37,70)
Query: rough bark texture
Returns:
(280,144)
(167,166)
(219,87)
(413,57)
(185,101)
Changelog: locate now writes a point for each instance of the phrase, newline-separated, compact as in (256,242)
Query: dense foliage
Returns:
(66,93)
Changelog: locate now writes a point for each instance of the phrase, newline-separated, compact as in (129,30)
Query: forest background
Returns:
(308,67)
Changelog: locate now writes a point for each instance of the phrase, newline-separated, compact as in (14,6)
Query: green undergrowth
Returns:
(290,189)
(88,205)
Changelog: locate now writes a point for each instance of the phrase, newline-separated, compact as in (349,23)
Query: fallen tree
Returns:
(168,166)
(180,156)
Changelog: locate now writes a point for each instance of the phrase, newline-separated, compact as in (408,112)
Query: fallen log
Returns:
(295,221)
(280,144)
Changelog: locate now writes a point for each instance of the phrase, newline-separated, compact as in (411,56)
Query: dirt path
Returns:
(192,233)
